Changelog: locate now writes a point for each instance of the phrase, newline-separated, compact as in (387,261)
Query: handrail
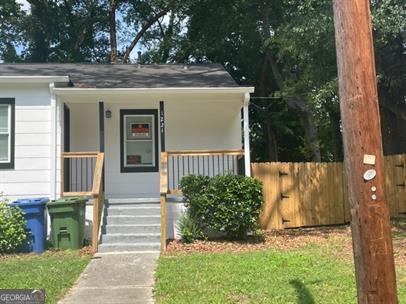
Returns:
(206,152)
(96,192)
(98,199)
(163,184)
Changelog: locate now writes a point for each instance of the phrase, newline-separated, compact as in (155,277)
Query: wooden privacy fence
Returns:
(312,194)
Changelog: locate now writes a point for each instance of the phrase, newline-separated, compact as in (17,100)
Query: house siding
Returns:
(31,174)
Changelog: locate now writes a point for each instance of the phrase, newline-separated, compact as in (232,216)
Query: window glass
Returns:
(4,119)
(139,153)
(4,133)
(139,140)
(4,147)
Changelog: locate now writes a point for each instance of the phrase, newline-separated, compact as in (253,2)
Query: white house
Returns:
(129,112)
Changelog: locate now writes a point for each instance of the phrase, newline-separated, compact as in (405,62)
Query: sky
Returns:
(25,4)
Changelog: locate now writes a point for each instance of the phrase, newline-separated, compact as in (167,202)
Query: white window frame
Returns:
(9,103)
(7,133)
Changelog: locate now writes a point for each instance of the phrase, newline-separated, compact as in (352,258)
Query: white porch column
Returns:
(53,147)
(247,155)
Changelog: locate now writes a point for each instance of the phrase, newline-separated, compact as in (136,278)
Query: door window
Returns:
(139,141)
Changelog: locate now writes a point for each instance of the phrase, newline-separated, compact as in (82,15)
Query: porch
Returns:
(148,221)
(147,146)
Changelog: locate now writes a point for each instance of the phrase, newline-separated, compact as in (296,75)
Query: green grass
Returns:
(308,275)
(53,271)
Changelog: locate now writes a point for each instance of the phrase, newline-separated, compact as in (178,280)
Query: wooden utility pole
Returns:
(370,224)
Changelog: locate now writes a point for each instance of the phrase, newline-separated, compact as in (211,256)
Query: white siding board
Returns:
(31,187)
(28,195)
(32,127)
(32,151)
(32,164)
(24,176)
(27,139)
(33,115)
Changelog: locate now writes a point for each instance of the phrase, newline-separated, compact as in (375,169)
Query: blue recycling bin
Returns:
(36,223)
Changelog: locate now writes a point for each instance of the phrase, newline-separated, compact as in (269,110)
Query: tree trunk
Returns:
(167,39)
(336,141)
(310,129)
(139,35)
(40,48)
(272,143)
(113,30)
(310,132)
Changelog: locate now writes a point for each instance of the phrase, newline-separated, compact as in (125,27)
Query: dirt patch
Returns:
(335,239)
(239,298)
(87,250)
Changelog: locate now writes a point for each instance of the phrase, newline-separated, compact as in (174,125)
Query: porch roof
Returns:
(113,76)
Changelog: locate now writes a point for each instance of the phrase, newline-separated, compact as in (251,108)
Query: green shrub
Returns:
(228,203)
(188,229)
(12,227)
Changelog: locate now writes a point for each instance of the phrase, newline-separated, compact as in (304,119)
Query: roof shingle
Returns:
(127,75)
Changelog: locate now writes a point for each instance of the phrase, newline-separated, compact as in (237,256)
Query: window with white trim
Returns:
(7,120)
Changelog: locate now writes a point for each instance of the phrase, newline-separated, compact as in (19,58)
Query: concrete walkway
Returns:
(115,279)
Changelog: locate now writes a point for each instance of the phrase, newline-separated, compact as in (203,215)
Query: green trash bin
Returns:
(68,222)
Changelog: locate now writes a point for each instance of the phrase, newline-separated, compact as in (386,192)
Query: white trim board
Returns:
(174,90)
(33,79)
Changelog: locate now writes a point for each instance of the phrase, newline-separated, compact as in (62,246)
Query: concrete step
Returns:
(132,201)
(148,228)
(132,219)
(134,210)
(114,238)
(122,247)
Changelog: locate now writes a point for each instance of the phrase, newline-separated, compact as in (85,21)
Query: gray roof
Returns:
(127,75)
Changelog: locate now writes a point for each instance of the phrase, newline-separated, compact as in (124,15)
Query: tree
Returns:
(54,31)
(243,36)
(10,28)
(286,49)
(140,19)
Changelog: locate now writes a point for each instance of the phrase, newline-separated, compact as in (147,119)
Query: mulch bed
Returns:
(339,237)
(277,239)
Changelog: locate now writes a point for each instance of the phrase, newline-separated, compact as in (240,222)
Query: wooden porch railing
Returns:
(82,175)
(176,164)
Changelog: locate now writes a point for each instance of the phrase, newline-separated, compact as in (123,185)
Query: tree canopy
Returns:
(285,48)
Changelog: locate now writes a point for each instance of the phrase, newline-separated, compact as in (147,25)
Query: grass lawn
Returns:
(314,272)
(54,271)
